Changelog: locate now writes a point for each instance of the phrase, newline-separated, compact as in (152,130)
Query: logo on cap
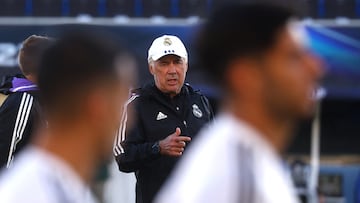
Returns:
(167,41)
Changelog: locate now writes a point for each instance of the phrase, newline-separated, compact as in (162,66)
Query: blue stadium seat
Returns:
(340,8)
(90,7)
(13,8)
(311,8)
(166,8)
(47,8)
(194,8)
(120,7)
(156,8)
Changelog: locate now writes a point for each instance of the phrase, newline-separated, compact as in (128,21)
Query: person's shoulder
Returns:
(19,183)
(196,92)
(6,83)
(23,96)
(135,95)
(136,91)
(22,189)
(190,89)
(14,105)
(15,99)
(142,92)
(34,93)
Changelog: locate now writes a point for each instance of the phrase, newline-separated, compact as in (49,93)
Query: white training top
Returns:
(39,177)
(229,163)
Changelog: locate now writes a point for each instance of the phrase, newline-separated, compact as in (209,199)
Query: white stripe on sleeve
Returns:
(118,149)
(20,124)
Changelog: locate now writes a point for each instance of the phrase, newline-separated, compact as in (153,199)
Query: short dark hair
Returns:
(238,30)
(75,64)
(31,52)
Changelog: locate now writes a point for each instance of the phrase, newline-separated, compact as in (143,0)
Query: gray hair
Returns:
(151,61)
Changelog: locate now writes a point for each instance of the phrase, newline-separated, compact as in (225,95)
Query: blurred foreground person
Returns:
(82,90)
(256,53)
(19,105)
(168,114)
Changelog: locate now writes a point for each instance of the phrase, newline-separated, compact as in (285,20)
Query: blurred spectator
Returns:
(19,106)
(83,83)
(255,52)
(168,115)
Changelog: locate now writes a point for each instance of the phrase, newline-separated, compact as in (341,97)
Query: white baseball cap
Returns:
(165,45)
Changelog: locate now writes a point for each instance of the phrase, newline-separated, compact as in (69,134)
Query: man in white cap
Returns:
(168,114)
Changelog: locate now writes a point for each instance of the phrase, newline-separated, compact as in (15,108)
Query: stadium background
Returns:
(333,25)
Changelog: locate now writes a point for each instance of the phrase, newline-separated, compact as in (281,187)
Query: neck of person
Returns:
(170,94)
(68,144)
(32,78)
(273,128)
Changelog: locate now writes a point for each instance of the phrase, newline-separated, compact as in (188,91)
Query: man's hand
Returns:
(174,144)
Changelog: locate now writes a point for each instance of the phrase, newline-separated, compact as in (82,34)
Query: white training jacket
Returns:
(230,162)
(40,177)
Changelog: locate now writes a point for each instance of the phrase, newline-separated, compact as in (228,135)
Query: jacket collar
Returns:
(22,85)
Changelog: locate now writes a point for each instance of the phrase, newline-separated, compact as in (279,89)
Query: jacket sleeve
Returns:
(7,121)
(16,118)
(131,149)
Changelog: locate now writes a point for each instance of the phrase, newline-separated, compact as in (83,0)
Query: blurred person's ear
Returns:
(95,107)
(101,102)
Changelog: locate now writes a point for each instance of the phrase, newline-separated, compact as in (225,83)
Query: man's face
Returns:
(290,76)
(169,73)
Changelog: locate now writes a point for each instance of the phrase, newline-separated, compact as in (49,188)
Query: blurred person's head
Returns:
(83,85)
(30,55)
(257,53)
(168,63)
